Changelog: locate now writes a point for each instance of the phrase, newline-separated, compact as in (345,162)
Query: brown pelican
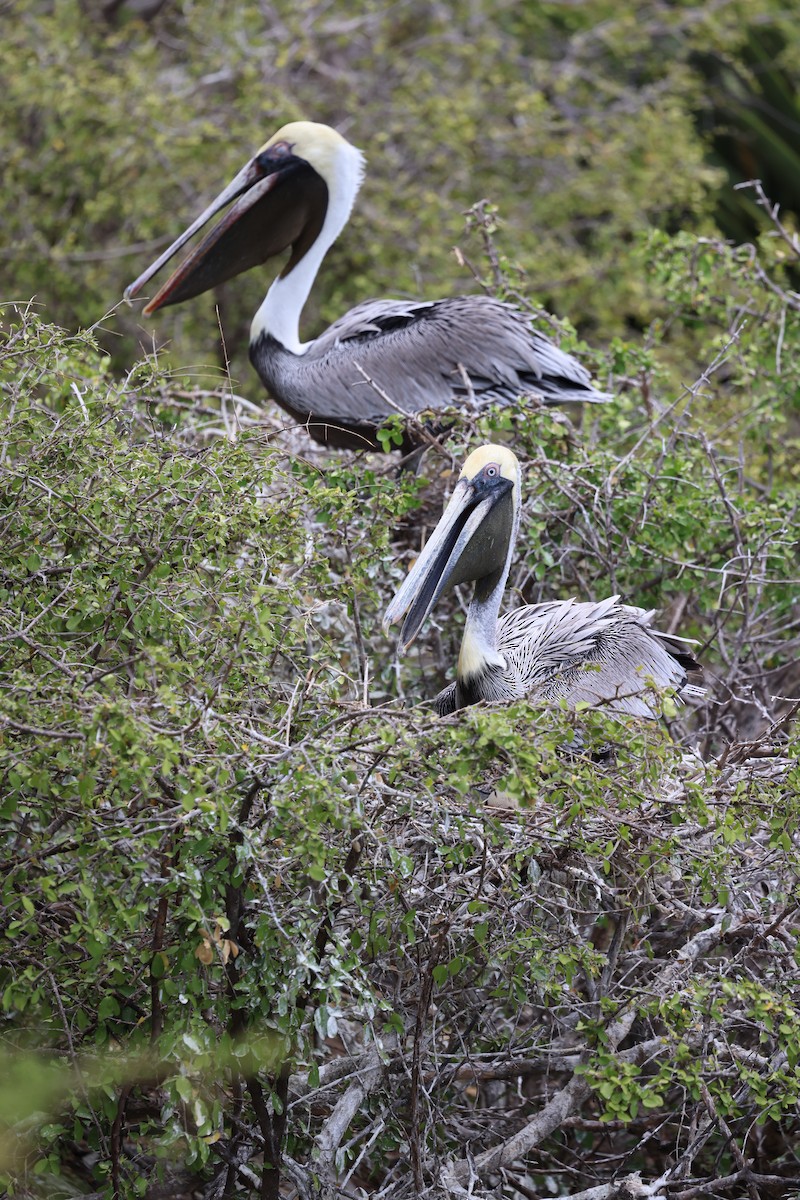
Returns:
(381,357)
(602,653)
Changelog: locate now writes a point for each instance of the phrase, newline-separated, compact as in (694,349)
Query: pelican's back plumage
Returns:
(468,351)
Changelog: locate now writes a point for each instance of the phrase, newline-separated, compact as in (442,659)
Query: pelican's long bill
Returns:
(470,543)
(277,200)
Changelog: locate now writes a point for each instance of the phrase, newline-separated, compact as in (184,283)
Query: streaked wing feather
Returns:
(447,700)
(601,652)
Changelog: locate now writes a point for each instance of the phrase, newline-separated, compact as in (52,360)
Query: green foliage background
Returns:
(215,840)
(579,122)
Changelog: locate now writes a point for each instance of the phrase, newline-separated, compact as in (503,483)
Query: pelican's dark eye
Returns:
(266,159)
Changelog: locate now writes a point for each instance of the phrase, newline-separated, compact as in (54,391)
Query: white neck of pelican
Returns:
(479,643)
(279,313)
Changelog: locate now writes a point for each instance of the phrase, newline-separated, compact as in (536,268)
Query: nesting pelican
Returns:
(297,193)
(602,653)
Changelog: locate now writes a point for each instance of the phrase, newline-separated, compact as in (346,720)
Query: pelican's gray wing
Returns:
(599,653)
(430,355)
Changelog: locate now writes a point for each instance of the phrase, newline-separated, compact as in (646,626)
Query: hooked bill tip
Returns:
(386,624)
(131,292)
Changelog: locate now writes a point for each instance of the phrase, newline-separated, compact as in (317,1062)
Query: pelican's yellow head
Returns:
(486,457)
(320,146)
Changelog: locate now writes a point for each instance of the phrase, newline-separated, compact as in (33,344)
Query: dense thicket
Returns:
(271,928)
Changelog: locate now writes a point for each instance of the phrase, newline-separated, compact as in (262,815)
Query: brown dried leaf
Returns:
(204,952)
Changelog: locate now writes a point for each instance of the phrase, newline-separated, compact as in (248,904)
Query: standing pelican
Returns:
(381,357)
(602,653)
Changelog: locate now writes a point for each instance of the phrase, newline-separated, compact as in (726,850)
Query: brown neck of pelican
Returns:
(279,314)
(479,643)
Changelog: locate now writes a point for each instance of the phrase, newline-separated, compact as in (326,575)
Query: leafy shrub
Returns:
(230,882)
